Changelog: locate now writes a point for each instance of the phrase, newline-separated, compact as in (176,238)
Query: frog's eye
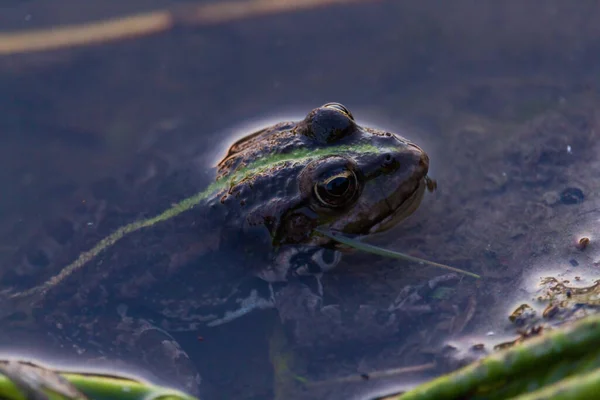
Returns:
(337,188)
(331,184)
(340,107)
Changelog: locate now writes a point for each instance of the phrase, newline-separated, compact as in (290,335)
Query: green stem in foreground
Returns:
(80,385)
(553,366)
(389,253)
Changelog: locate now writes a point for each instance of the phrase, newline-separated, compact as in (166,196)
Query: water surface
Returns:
(503,97)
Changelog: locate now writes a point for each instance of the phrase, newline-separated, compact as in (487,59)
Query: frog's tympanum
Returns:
(115,281)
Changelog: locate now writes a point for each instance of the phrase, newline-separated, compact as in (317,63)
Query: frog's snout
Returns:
(423,158)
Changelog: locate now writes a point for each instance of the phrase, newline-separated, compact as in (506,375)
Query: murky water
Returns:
(503,97)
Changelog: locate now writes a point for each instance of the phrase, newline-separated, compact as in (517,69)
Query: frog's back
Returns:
(155,236)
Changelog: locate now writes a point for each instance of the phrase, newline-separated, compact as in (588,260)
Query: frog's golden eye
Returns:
(340,107)
(336,189)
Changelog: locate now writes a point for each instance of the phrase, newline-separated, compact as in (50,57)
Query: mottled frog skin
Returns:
(112,280)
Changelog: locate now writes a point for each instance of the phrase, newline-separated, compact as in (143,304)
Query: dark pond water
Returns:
(503,96)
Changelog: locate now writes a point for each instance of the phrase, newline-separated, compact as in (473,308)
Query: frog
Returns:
(125,270)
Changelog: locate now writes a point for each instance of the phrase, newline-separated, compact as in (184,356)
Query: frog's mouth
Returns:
(404,209)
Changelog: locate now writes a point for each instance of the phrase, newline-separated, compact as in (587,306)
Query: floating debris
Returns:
(522,314)
(583,243)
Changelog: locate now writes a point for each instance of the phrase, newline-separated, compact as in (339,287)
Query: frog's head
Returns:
(325,171)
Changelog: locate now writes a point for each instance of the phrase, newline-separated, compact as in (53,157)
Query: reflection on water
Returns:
(502,97)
